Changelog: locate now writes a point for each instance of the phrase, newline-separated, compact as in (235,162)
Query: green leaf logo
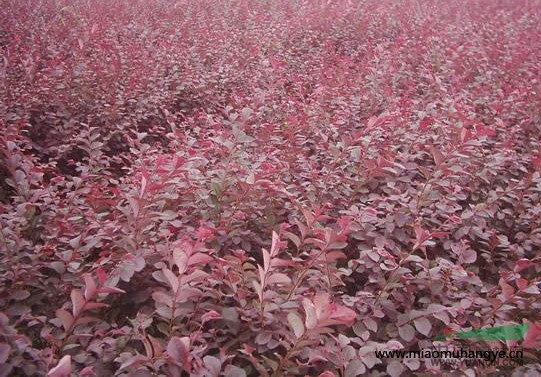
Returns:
(507,332)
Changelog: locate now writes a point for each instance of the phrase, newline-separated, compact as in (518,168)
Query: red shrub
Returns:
(265,187)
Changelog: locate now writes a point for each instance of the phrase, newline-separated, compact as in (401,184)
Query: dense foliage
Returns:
(265,188)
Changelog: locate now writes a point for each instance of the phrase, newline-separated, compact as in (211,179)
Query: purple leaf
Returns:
(179,349)
(5,349)
(406,332)
(296,324)
(423,325)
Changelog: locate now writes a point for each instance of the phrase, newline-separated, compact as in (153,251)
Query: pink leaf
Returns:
(423,325)
(78,301)
(162,298)
(406,332)
(213,365)
(439,158)
(296,324)
(342,314)
(90,287)
(332,256)
(371,122)
(87,371)
(187,292)
(171,278)
(65,317)
(310,311)
(107,289)
(522,264)
(327,374)
(308,215)
(421,236)
(209,316)
(277,245)
(355,368)
(425,123)
(258,290)
(261,276)
(322,313)
(102,276)
(62,369)
(395,368)
(482,130)
(178,349)
(533,336)
(507,290)
(465,134)
(143,186)
(134,204)
(181,260)
(266,259)
(394,345)
(199,259)
(197,275)
(278,278)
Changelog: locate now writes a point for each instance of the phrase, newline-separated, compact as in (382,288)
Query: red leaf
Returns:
(342,314)
(102,276)
(421,236)
(482,130)
(321,312)
(533,336)
(507,290)
(465,135)
(425,123)
(522,264)
(521,283)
